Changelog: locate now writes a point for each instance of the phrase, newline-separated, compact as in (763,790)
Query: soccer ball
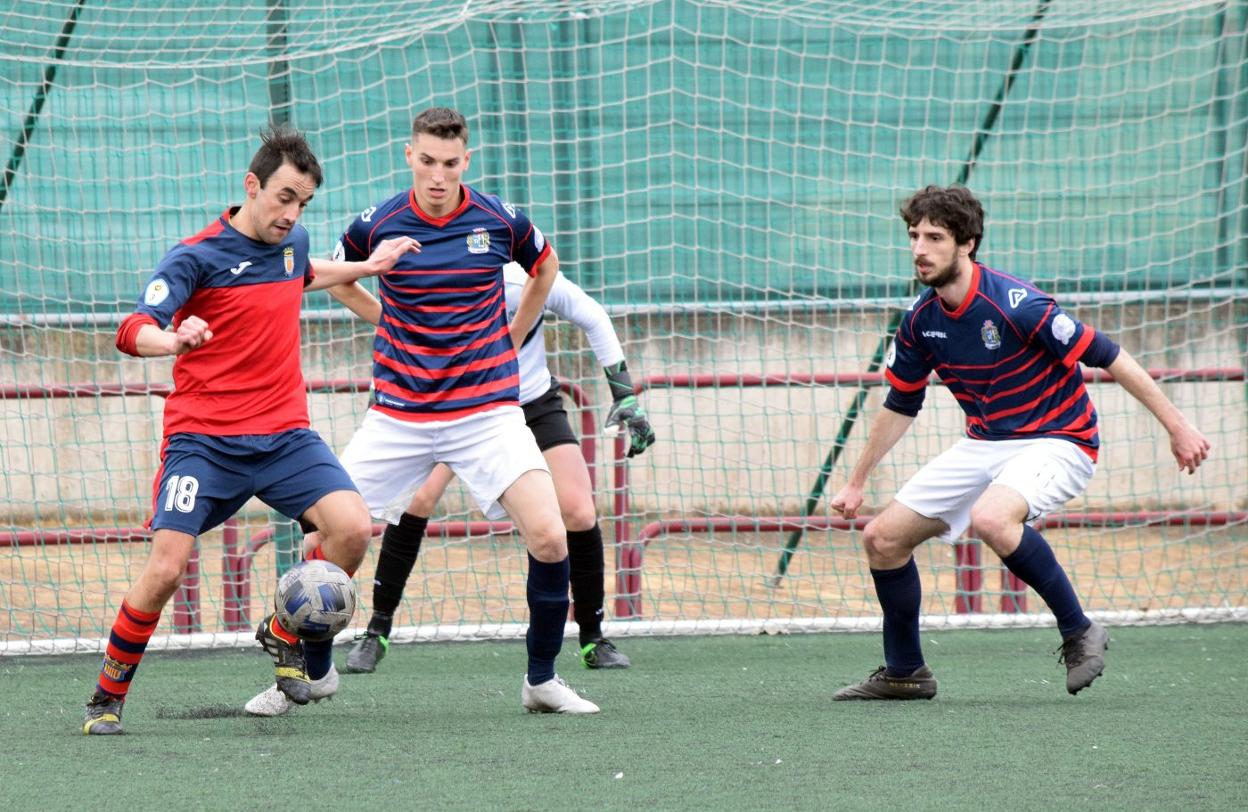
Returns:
(315,600)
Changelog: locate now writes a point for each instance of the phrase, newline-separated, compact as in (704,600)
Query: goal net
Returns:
(725,177)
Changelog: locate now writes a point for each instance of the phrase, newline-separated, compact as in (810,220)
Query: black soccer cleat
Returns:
(290,667)
(369,649)
(103,715)
(602,653)
(880,685)
(1084,656)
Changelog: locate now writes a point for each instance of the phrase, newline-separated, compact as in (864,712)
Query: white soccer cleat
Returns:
(553,696)
(272,702)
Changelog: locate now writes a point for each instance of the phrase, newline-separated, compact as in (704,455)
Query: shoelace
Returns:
(1071,652)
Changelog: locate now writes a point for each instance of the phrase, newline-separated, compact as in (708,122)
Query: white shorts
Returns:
(1046,472)
(389,459)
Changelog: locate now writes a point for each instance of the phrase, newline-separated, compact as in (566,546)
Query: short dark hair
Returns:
(281,144)
(441,122)
(951,207)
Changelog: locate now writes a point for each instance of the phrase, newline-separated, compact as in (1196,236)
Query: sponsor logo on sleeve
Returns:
(367,214)
(157,291)
(539,240)
(340,252)
(510,209)
(1063,328)
(990,334)
(891,356)
(1016,296)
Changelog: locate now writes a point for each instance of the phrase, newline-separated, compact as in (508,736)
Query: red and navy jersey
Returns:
(1008,354)
(247,379)
(443,349)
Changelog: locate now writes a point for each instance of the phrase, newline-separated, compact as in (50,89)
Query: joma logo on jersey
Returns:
(990,334)
(240,267)
(288,260)
(478,241)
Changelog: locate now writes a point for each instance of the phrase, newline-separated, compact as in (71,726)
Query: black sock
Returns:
(585,558)
(400,545)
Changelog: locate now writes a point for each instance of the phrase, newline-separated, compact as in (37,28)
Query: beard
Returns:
(937,276)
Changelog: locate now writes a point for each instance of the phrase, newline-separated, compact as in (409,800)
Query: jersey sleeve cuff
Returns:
(904,386)
(1076,352)
(128,332)
(532,270)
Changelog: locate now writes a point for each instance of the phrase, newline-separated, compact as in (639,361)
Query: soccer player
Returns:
(1010,357)
(236,425)
(543,409)
(446,381)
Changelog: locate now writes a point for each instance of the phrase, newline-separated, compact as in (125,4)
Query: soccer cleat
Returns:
(1084,656)
(602,653)
(103,715)
(272,702)
(290,667)
(369,649)
(919,685)
(553,696)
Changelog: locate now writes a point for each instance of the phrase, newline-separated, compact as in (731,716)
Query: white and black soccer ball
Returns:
(315,600)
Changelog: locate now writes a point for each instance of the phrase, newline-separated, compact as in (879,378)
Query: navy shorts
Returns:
(548,420)
(204,479)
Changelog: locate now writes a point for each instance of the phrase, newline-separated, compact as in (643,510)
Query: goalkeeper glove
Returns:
(626,413)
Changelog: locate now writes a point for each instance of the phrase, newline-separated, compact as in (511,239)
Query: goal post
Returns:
(724,177)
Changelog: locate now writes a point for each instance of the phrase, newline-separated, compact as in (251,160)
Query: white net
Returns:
(725,177)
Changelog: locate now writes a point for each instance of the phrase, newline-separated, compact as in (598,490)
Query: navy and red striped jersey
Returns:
(1008,354)
(247,379)
(443,350)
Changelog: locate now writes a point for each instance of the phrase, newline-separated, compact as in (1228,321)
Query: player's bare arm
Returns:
(192,333)
(533,297)
(886,429)
(1188,445)
(356,298)
(332,272)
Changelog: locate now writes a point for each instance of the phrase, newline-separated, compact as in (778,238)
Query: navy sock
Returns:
(320,656)
(1035,564)
(548,612)
(900,592)
(585,559)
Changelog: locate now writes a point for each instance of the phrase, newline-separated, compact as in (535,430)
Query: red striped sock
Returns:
(126,644)
(317,553)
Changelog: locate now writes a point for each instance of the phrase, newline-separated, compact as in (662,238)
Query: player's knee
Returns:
(346,543)
(878,543)
(579,517)
(163,576)
(993,527)
(548,541)
(422,505)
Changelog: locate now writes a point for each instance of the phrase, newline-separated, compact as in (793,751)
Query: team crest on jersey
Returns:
(288,260)
(990,335)
(478,241)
